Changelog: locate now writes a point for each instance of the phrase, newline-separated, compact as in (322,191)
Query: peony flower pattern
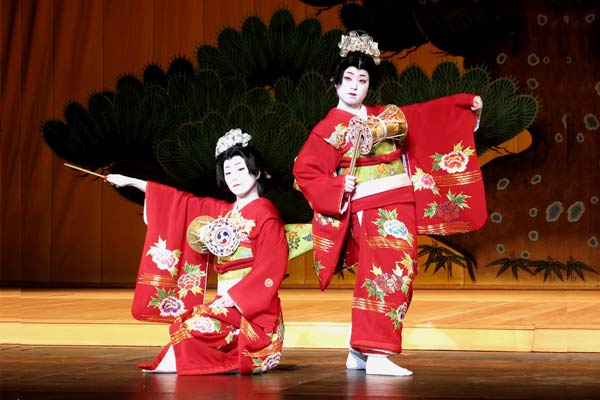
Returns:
(384,283)
(421,180)
(390,225)
(397,315)
(268,358)
(453,162)
(191,280)
(165,259)
(203,324)
(167,303)
(449,209)
(270,362)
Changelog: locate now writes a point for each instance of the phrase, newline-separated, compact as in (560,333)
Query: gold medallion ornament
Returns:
(196,232)
(222,237)
(390,124)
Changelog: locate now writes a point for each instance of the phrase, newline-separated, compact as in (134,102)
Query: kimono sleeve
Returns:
(314,170)
(443,164)
(255,293)
(172,275)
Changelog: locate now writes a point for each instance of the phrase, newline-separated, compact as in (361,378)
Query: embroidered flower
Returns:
(191,281)
(453,162)
(422,180)
(203,324)
(167,303)
(165,259)
(398,315)
(449,209)
(384,283)
(171,306)
(388,283)
(270,362)
(390,225)
(396,229)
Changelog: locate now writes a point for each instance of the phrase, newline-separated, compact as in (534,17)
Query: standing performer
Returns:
(242,328)
(376,177)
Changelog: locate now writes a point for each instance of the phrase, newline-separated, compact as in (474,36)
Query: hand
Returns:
(122,180)
(223,301)
(118,180)
(477,105)
(349,183)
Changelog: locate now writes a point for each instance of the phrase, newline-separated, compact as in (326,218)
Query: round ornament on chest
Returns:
(222,237)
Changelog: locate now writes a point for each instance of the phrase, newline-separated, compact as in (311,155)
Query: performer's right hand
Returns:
(349,183)
(119,180)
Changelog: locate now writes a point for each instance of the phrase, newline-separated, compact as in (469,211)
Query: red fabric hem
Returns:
(366,346)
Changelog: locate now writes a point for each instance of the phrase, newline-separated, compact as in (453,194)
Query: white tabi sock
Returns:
(167,365)
(356,360)
(381,365)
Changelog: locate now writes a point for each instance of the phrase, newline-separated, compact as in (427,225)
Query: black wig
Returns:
(254,163)
(358,60)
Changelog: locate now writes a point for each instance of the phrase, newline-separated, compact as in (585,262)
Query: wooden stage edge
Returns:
(467,320)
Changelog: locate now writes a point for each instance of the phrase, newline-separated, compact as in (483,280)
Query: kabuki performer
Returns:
(241,330)
(376,177)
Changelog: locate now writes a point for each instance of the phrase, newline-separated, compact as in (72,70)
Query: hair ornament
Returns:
(364,43)
(230,139)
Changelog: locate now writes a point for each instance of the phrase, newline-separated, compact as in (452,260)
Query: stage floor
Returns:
(490,320)
(101,373)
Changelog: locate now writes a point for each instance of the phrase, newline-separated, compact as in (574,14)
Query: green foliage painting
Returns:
(272,81)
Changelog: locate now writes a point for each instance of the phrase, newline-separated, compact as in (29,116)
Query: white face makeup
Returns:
(353,88)
(237,177)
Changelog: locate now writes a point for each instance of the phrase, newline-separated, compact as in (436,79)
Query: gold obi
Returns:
(370,172)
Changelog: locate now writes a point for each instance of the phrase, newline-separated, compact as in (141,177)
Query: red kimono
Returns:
(430,184)
(212,338)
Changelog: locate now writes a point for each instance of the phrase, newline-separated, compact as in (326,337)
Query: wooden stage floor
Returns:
(110,373)
(483,320)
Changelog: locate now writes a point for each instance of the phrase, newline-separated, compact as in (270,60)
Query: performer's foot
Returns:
(167,364)
(381,365)
(356,360)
